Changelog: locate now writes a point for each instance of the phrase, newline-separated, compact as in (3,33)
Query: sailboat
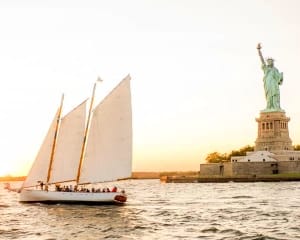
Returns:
(84,150)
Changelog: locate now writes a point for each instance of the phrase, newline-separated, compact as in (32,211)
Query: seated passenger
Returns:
(114,189)
(57,187)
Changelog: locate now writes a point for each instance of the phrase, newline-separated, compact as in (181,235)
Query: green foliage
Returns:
(242,151)
(297,147)
(216,157)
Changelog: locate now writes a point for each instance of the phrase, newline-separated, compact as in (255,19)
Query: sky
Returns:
(196,75)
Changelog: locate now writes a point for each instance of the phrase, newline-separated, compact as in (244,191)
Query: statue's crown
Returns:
(270,59)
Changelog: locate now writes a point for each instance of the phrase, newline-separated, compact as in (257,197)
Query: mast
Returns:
(54,139)
(85,133)
(68,144)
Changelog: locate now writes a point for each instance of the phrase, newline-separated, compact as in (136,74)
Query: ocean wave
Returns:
(193,211)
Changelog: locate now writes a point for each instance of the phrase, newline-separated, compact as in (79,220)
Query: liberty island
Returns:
(273,158)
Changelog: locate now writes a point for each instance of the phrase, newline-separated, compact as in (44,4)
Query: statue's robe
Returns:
(272,79)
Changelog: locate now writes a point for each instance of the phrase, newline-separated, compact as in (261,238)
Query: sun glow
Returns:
(6,169)
(14,168)
(196,81)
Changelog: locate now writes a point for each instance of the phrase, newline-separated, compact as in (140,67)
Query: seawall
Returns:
(218,179)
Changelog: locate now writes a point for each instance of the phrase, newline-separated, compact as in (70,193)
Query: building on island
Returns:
(273,152)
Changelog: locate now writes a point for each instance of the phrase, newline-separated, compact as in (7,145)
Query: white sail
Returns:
(68,146)
(109,146)
(39,169)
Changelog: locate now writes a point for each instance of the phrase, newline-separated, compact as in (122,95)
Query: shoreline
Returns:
(225,179)
(193,177)
(135,175)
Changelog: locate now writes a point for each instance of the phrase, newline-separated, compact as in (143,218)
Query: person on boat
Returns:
(57,187)
(42,185)
(114,189)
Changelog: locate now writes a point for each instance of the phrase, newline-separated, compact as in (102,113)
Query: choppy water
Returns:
(164,211)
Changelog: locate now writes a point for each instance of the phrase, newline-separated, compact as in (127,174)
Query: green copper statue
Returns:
(272,79)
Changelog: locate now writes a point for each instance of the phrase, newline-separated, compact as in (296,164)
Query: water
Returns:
(259,211)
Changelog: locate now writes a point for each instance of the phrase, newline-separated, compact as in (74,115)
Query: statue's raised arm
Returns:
(260,54)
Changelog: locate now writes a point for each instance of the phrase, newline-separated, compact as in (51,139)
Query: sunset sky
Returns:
(196,75)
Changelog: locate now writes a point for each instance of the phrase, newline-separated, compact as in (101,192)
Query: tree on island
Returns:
(216,157)
(297,147)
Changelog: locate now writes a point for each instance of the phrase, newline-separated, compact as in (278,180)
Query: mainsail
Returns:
(69,142)
(109,146)
(39,169)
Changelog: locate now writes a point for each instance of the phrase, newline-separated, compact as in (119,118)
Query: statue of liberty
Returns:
(272,79)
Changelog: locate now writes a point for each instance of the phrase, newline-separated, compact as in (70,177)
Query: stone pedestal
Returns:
(273,132)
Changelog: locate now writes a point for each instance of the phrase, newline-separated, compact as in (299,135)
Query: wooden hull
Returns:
(31,196)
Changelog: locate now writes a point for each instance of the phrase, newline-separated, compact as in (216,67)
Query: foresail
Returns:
(39,169)
(109,146)
(68,146)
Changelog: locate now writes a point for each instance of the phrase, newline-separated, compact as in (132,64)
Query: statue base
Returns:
(273,132)
(272,110)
